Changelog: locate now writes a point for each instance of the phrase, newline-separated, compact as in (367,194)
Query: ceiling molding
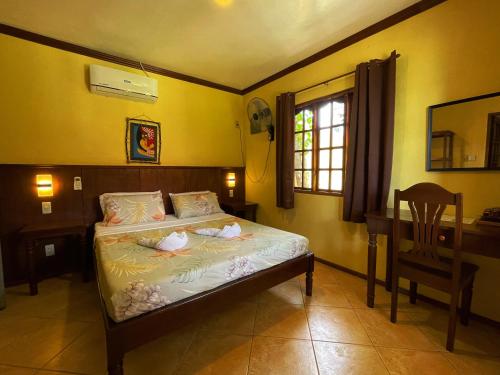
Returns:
(392,20)
(70,47)
(396,18)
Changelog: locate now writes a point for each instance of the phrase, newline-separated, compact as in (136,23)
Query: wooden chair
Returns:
(422,264)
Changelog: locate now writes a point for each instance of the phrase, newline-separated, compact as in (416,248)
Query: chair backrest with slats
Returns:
(427,202)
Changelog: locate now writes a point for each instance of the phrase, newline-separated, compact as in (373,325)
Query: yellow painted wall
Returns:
(448,52)
(469,123)
(48,114)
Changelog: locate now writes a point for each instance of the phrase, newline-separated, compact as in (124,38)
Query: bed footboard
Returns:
(132,333)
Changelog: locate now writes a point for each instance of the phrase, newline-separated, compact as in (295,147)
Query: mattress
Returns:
(135,279)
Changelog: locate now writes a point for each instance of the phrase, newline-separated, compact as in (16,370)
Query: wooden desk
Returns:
(478,239)
(32,236)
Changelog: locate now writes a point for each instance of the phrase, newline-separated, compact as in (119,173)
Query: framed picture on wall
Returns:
(143,141)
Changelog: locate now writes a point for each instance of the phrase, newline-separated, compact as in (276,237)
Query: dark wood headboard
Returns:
(20,205)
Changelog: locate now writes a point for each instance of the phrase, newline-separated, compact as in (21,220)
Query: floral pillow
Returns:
(132,208)
(193,204)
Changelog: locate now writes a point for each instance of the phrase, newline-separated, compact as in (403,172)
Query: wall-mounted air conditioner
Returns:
(113,82)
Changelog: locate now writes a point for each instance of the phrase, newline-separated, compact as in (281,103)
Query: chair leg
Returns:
(413,292)
(452,323)
(466,303)
(394,297)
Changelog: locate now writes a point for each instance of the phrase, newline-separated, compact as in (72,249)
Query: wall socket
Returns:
(50,250)
(231,193)
(46,208)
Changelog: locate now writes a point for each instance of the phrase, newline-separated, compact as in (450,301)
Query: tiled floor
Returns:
(280,331)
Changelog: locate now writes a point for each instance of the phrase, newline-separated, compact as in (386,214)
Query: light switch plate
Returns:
(231,193)
(77,183)
(46,208)
(50,250)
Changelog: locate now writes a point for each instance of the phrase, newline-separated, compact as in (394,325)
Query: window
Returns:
(320,140)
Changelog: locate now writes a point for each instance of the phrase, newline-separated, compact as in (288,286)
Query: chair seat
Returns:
(467,270)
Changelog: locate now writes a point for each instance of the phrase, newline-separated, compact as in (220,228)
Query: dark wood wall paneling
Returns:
(20,205)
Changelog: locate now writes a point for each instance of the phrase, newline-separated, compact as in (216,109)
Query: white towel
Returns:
(229,231)
(171,242)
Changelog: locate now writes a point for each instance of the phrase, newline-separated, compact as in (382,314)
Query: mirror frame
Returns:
(429,134)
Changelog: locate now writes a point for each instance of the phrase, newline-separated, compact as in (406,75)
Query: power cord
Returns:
(261,178)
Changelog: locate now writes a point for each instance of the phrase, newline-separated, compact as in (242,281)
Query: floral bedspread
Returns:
(135,279)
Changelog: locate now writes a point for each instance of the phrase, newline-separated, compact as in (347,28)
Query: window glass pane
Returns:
(324,138)
(308,140)
(338,136)
(307,179)
(337,157)
(323,180)
(298,141)
(298,179)
(338,113)
(337,180)
(308,114)
(324,159)
(308,160)
(299,121)
(298,160)
(325,115)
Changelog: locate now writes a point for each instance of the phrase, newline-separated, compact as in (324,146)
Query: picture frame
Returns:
(143,141)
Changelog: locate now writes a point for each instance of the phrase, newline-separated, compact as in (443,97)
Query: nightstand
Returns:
(245,210)
(32,235)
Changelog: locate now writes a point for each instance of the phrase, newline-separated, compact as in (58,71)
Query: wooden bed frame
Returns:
(127,335)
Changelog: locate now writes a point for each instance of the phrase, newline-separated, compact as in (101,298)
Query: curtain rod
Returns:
(329,80)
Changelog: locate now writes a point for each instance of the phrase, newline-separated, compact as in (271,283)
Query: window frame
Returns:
(314,105)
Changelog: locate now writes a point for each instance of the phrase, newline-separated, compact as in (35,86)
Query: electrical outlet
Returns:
(50,250)
(46,208)
(77,183)
(231,193)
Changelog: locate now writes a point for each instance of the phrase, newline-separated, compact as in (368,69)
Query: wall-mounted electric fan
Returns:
(260,117)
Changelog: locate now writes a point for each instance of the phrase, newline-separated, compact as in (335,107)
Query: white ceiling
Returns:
(232,42)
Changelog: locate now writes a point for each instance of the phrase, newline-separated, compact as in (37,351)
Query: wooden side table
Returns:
(245,210)
(32,235)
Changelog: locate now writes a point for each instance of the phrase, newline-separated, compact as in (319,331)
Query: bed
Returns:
(146,293)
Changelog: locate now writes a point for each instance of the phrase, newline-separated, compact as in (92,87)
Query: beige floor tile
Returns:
(282,320)
(8,370)
(473,339)
(403,334)
(414,362)
(326,295)
(86,354)
(288,292)
(323,274)
(336,324)
(238,319)
(35,348)
(340,359)
(162,356)
(474,364)
(278,356)
(216,354)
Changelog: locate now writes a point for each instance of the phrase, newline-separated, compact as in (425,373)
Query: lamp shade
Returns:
(231,179)
(44,185)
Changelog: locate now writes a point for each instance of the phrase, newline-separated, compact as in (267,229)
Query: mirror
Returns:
(464,134)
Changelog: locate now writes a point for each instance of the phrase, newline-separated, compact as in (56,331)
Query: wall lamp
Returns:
(231,179)
(44,185)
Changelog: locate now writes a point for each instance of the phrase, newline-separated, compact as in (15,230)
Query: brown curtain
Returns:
(370,139)
(285,115)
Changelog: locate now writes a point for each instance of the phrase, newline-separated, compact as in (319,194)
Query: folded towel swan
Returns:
(171,242)
(229,231)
